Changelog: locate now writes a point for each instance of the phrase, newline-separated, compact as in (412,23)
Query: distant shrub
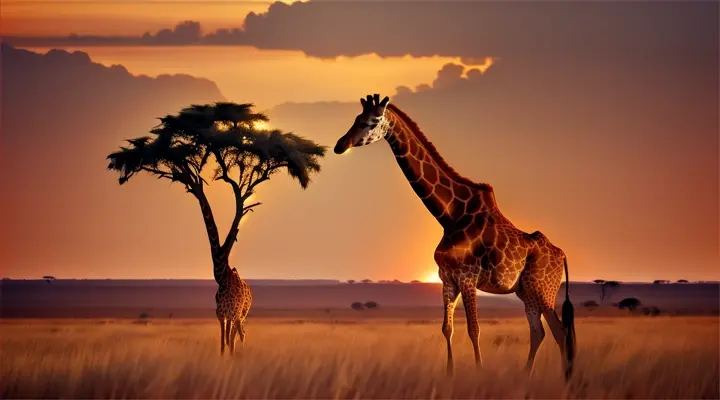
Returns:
(651,311)
(660,282)
(591,304)
(371,305)
(366,281)
(682,281)
(629,303)
(357,306)
(351,281)
(144,315)
(415,281)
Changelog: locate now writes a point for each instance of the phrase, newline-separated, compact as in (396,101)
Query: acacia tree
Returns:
(219,142)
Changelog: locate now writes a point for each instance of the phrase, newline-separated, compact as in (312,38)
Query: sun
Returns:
(261,125)
(432,276)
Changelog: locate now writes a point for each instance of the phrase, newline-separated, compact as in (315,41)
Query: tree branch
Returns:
(239,200)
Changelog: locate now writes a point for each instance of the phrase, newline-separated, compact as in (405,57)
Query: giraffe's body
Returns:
(233,297)
(233,302)
(480,248)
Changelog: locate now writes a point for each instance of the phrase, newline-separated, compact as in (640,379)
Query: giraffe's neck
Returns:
(221,266)
(447,195)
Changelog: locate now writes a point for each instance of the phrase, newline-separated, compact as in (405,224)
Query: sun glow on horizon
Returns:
(432,276)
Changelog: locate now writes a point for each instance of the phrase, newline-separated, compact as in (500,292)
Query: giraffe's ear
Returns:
(385,101)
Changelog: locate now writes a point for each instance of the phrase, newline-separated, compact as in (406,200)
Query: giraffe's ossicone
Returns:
(480,248)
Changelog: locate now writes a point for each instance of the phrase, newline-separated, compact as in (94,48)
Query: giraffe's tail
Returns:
(568,321)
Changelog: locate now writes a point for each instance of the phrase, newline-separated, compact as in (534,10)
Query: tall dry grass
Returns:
(618,358)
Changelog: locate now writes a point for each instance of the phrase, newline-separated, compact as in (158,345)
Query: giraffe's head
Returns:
(369,126)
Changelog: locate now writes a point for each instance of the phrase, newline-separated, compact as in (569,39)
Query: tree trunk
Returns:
(220,257)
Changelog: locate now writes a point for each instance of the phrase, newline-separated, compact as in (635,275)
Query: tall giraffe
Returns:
(480,248)
(233,297)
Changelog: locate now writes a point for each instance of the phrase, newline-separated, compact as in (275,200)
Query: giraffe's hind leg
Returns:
(222,336)
(241,332)
(537,334)
(238,330)
(558,332)
(539,284)
(469,298)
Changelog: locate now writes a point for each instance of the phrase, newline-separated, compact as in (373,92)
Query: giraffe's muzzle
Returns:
(343,145)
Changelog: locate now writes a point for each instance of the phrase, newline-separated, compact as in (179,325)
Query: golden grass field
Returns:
(635,357)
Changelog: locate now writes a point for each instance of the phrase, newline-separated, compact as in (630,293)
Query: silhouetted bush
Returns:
(144,315)
(629,303)
(366,281)
(660,281)
(682,281)
(371,305)
(591,304)
(357,306)
(651,311)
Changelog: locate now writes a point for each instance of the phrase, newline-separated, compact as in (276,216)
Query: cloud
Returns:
(559,31)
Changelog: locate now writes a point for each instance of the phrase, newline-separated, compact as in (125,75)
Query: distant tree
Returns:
(604,286)
(396,281)
(682,281)
(371,305)
(49,278)
(351,281)
(144,315)
(590,304)
(660,282)
(630,303)
(357,306)
(366,281)
(415,281)
(225,138)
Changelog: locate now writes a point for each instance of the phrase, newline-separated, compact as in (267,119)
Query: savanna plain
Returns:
(354,357)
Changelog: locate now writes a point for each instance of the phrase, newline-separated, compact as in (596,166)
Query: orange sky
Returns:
(117,17)
(271,77)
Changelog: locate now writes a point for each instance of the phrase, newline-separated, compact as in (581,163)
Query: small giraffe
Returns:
(233,297)
(480,248)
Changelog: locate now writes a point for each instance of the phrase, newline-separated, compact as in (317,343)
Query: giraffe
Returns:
(233,297)
(480,248)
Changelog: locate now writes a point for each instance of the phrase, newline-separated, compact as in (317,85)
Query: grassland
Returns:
(637,357)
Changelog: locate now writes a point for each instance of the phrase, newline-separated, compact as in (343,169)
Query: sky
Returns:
(596,124)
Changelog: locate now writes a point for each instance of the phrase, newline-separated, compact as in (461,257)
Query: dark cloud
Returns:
(559,31)
(186,32)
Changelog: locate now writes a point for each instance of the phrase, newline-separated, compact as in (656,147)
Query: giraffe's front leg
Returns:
(469,297)
(450,297)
